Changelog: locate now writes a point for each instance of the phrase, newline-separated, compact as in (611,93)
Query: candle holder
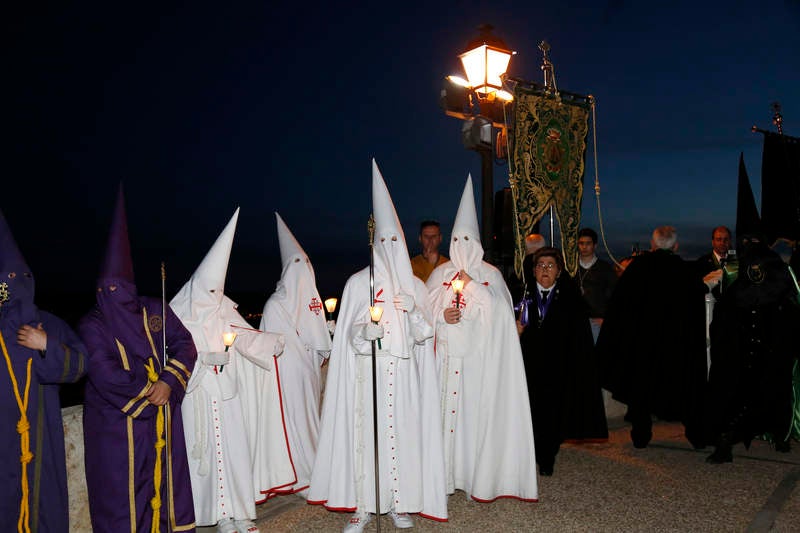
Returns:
(375,313)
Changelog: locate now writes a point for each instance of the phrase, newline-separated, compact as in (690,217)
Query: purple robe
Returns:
(120,423)
(63,362)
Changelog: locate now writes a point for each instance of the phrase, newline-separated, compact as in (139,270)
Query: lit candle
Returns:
(330,305)
(376,313)
(227,339)
(457,285)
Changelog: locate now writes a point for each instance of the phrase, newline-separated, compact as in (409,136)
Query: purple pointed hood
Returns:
(16,283)
(117,298)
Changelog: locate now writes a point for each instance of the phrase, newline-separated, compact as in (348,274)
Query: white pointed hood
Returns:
(297,293)
(392,262)
(203,294)
(466,251)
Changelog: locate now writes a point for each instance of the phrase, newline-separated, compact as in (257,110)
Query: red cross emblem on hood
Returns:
(315,306)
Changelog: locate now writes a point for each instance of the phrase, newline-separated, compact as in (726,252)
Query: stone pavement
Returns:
(667,487)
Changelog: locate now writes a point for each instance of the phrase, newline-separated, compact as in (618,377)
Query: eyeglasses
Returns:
(545,266)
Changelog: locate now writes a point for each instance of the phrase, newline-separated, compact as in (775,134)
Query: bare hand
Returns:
(452,315)
(465,277)
(520,328)
(34,338)
(159,393)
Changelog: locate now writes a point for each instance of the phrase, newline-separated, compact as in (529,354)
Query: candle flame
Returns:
(376,313)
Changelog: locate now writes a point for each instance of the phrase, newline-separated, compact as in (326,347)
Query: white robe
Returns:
(409,434)
(300,388)
(488,434)
(265,428)
(218,453)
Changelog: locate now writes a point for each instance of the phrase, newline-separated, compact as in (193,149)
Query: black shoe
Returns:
(545,471)
(720,455)
(640,443)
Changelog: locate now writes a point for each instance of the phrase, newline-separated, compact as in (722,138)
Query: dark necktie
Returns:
(544,296)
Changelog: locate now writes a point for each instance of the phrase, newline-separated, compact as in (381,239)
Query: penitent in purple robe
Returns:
(123,335)
(62,362)
(119,426)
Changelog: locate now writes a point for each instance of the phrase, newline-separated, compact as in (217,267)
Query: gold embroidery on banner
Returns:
(131,492)
(175,373)
(123,355)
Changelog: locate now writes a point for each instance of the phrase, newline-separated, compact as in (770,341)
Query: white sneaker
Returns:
(401,520)
(357,522)
(226,525)
(246,526)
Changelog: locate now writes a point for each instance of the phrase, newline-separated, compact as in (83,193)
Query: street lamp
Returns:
(479,101)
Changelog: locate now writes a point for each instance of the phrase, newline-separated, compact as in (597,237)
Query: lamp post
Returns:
(479,101)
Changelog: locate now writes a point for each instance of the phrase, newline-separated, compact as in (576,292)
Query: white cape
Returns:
(410,443)
(488,434)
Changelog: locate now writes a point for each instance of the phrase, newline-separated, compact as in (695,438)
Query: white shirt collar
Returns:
(588,264)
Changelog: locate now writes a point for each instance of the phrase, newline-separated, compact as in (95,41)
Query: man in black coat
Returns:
(652,348)
(709,266)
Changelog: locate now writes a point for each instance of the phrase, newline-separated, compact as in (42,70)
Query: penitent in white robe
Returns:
(488,434)
(300,383)
(410,459)
(218,453)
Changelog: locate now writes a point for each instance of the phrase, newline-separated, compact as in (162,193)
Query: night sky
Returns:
(200,107)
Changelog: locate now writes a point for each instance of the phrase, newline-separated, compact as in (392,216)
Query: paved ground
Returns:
(667,487)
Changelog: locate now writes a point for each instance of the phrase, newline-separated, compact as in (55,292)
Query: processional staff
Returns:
(375,315)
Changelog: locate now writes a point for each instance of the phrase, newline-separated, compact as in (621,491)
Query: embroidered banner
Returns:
(548,149)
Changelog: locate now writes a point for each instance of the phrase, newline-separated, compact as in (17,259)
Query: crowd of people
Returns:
(439,378)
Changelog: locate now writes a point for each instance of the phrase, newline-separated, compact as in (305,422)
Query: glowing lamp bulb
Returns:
(330,304)
(376,313)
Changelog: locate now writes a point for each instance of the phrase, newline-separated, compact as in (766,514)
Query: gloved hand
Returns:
(713,278)
(216,358)
(404,302)
(372,331)
(331,326)
(280,344)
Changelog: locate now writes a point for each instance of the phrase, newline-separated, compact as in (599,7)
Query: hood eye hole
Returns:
(27,274)
(112,288)
(466,238)
(394,237)
(383,239)
(212,290)
(455,239)
(296,259)
(12,275)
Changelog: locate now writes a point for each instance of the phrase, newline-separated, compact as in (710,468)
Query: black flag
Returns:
(780,187)
(747,219)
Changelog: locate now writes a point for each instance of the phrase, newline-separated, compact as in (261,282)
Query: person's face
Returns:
(546,271)
(721,242)
(430,238)
(586,247)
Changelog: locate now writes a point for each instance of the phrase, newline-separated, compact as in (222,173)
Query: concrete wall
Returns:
(76,478)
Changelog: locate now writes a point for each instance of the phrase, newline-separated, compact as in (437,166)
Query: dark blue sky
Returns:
(200,107)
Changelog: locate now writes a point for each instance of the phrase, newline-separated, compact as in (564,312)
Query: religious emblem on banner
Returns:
(548,149)
(315,306)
